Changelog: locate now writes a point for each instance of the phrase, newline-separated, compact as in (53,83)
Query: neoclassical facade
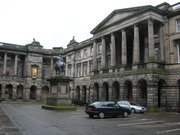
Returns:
(24,70)
(134,55)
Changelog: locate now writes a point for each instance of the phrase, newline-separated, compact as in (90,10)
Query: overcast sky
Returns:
(54,22)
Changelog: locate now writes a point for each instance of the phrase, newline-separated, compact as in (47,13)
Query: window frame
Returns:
(178,25)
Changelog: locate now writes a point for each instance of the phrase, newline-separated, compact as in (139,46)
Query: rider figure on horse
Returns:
(59,66)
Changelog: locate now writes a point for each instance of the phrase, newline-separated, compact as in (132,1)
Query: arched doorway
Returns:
(162,97)
(44,93)
(115,91)
(78,92)
(179,91)
(84,93)
(33,92)
(9,91)
(0,91)
(19,92)
(96,92)
(105,93)
(142,93)
(128,91)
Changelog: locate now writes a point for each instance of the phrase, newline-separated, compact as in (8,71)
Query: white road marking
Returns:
(140,123)
(167,131)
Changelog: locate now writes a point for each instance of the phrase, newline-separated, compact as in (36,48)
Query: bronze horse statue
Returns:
(59,66)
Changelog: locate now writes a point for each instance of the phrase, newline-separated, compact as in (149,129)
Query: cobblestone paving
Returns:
(6,125)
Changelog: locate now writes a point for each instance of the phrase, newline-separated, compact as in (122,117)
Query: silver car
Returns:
(135,108)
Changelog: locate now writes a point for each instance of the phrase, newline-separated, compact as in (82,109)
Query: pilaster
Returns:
(95,55)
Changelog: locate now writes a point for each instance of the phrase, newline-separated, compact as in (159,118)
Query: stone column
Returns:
(95,55)
(113,51)
(5,63)
(161,36)
(124,48)
(103,54)
(15,64)
(25,66)
(136,51)
(51,66)
(151,39)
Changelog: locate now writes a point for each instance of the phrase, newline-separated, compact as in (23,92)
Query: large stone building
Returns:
(134,54)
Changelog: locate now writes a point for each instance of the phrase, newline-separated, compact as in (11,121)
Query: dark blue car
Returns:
(106,108)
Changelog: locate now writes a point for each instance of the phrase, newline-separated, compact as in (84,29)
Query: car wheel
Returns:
(101,115)
(132,110)
(91,116)
(125,115)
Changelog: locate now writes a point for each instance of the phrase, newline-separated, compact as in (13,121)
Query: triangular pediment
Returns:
(116,17)
(119,15)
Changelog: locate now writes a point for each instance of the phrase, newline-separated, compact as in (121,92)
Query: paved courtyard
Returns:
(32,120)
(7,127)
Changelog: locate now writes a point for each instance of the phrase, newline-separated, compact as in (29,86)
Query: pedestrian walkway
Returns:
(6,125)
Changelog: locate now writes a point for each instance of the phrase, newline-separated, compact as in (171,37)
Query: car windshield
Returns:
(132,103)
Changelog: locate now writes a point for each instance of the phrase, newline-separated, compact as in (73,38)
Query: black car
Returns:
(106,108)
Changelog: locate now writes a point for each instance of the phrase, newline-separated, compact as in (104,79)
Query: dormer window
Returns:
(178,25)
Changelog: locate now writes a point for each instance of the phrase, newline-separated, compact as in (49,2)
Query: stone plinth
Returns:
(59,90)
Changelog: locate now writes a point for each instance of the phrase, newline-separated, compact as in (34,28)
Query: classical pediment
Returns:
(120,15)
(116,17)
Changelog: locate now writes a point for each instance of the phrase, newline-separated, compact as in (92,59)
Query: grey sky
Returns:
(54,22)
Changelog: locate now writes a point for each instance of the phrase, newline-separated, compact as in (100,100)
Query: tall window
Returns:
(91,51)
(178,49)
(99,63)
(34,71)
(178,25)
(85,68)
(99,48)
(85,53)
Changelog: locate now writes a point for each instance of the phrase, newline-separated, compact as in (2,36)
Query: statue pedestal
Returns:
(59,90)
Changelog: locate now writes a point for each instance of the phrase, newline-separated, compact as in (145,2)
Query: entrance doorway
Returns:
(0,91)
(128,91)
(116,92)
(162,97)
(96,92)
(19,92)
(84,93)
(9,91)
(105,93)
(142,93)
(33,92)
(78,93)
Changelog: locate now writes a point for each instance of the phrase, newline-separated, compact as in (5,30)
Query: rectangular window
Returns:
(99,48)
(178,52)
(34,71)
(178,25)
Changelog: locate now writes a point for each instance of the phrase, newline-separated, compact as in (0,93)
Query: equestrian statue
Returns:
(59,66)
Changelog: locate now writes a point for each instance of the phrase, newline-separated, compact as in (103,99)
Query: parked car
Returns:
(78,102)
(178,110)
(135,108)
(106,108)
